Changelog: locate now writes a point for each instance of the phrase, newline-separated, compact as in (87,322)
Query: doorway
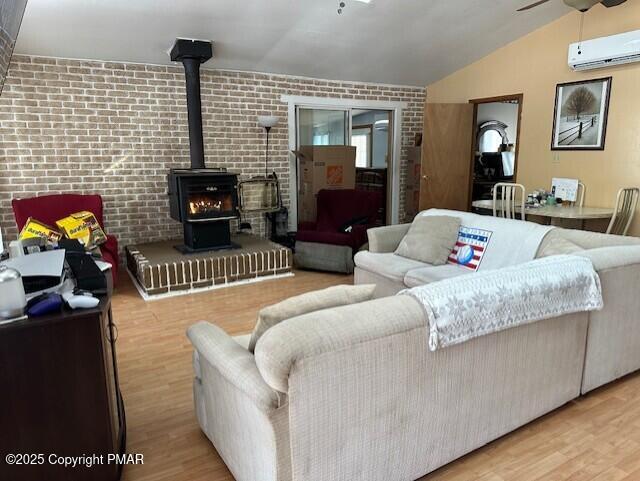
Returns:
(368,130)
(373,127)
(495,143)
(454,171)
(371,135)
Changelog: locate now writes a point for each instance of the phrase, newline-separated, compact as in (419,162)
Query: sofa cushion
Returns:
(388,264)
(427,275)
(309,302)
(430,239)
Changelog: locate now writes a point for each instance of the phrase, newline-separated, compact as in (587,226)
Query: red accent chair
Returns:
(337,209)
(50,208)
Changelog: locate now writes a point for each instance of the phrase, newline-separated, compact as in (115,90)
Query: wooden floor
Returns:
(596,437)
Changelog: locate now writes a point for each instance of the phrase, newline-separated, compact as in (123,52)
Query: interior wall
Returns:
(116,129)
(533,65)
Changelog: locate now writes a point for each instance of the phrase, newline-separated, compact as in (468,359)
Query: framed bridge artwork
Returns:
(580,115)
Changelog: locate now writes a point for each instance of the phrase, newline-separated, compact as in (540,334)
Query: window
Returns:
(322,127)
(361,139)
(320,139)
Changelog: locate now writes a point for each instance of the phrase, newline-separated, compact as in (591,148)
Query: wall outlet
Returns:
(555,157)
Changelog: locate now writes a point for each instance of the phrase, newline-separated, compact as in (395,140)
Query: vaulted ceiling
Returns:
(408,42)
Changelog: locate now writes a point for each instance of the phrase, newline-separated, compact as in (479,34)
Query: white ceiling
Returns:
(407,42)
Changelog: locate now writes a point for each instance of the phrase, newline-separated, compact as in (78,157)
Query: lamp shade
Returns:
(267,121)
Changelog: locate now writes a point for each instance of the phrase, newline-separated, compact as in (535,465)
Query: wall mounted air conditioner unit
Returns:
(605,51)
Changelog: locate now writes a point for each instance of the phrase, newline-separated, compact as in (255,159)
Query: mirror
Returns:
(11,12)
(491,136)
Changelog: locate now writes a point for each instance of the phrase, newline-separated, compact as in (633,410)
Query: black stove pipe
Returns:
(194,111)
(192,53)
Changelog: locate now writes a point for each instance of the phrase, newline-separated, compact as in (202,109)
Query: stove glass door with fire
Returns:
(210,200)
(213,204)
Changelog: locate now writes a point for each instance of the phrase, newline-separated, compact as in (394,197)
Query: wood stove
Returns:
(205,201)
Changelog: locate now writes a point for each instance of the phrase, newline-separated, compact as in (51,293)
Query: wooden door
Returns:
(446,156)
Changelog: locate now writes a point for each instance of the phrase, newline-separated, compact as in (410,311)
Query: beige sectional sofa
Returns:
(613,344)
(354,393)
(392,273)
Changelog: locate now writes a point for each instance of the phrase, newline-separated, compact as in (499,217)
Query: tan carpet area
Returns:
(596,437)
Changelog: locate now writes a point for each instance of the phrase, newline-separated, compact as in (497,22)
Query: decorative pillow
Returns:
(309,302)
(430,239)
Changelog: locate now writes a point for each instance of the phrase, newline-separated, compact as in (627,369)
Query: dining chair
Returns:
(625,209)
(507,195)
(579,202)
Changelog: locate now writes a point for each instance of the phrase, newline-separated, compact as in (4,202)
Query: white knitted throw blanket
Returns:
(465,307)
(486,242)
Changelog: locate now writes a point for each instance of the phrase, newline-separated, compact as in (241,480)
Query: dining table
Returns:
(551,212)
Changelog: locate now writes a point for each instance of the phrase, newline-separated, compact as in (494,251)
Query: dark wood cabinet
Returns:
(59,395)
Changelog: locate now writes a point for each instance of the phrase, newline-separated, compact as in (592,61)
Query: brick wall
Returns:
(116,129)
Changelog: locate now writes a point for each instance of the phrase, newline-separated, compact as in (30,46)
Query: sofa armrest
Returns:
(322,332)
(387,238)
(110,247)
(613,341)
(233,362)
(604,258)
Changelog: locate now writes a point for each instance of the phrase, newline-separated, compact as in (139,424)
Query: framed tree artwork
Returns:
(580,115)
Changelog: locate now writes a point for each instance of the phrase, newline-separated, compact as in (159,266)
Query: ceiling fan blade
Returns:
(533,5)
(612,3)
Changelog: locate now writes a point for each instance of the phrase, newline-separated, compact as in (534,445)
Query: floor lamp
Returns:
(267,122)
(261,194)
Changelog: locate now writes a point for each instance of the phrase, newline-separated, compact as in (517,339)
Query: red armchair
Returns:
(50,208)
(337,210)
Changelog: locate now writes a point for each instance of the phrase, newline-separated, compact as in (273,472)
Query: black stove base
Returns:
(206,236)
(186,250)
